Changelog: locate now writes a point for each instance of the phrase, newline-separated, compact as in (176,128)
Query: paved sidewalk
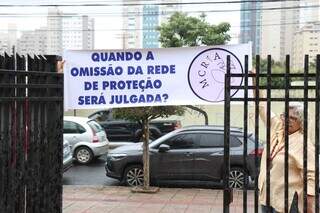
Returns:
(115,199)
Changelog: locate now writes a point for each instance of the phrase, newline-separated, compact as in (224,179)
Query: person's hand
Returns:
(60,65)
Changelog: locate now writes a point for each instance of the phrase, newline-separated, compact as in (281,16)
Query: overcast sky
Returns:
(108,20)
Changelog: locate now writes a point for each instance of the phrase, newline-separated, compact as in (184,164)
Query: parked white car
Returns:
(87,138)
(67,156)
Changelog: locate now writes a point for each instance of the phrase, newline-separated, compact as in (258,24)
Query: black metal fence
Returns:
(31,113)
(309,95)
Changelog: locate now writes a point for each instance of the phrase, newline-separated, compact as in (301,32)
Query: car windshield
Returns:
(95,126)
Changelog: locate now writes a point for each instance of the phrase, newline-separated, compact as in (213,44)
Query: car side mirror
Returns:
(164,148)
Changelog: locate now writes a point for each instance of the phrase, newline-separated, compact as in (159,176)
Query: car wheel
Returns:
(133,175)
(237,178)
(83,155)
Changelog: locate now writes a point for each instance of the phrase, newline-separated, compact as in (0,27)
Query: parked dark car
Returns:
(131,131)
(189,154)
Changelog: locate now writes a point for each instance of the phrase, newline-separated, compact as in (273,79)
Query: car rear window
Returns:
(253,139)
(70,127)
(217,140)
(211,140)
(95,126)
(235,142)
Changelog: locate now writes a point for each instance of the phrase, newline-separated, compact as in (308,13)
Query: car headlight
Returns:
(116,156)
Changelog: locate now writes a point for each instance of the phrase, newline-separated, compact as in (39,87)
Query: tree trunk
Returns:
(146,175)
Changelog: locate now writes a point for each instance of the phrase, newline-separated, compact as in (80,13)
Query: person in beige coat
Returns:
(295,162)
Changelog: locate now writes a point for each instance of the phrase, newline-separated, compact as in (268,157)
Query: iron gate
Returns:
(31,113)
(307,98)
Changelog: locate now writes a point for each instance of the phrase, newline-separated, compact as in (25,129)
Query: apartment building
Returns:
(306,42)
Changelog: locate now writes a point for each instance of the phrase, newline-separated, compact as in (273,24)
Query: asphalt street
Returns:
(91,174)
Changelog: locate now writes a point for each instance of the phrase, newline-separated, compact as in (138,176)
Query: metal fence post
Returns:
(227,193)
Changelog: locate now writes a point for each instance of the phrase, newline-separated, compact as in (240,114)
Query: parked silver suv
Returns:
(87,138)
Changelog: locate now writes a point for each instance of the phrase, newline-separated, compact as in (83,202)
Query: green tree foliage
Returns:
(182,30)
(185,31)
(276,67)
(313,66)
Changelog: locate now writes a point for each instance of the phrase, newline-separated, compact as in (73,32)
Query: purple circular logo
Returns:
(207,72)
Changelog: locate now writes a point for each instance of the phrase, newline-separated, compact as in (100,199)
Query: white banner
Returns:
(150,77)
